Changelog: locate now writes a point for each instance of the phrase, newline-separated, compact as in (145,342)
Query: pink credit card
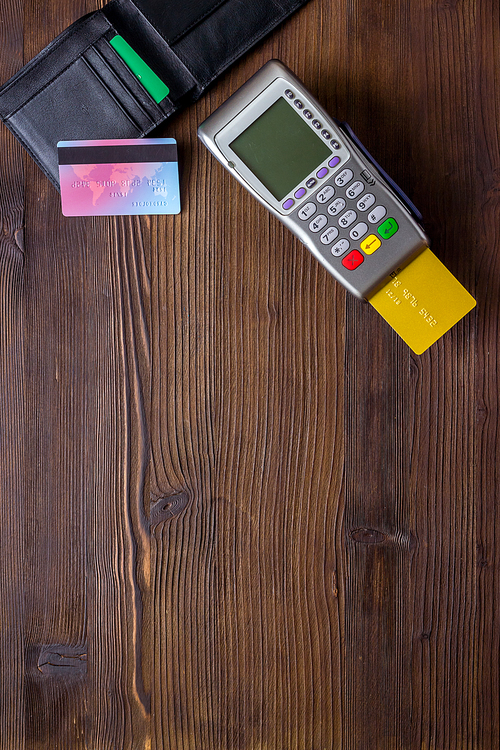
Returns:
(119,177)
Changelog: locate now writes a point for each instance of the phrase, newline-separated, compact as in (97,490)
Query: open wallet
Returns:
(80,88)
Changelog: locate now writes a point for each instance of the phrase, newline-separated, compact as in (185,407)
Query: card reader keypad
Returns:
(350,222)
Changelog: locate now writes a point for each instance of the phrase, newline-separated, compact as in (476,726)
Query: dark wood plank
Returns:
(443,421)
(487,480)
(12,415)
(118,536)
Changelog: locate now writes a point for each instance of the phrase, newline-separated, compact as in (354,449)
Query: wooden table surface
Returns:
(236,512)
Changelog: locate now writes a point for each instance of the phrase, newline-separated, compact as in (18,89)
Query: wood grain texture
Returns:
(487,711)
(236,513)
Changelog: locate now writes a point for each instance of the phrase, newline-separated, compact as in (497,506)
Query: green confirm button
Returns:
(388,228)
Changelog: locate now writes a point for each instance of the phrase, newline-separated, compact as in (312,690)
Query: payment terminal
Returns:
(316,177)
(312,172)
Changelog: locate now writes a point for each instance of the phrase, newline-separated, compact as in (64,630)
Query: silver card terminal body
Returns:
(313,174)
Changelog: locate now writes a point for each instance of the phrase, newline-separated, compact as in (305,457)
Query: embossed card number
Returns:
(422,301)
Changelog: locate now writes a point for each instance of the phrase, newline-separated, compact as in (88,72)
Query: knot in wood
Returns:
(368,536)
(167,508)
(63,661)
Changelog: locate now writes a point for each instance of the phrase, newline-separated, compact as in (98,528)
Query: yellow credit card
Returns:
(422,301)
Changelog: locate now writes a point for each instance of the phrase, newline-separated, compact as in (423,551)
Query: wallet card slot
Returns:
(114,63)
(147,41)
(118,89)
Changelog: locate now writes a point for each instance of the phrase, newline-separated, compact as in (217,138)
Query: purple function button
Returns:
(322,172)
(333,162)
(300,192)
(311,182)
(288,204)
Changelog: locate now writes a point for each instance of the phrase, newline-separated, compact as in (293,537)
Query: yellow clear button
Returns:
(370,244)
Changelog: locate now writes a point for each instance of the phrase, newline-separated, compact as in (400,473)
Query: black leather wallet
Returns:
(79,88)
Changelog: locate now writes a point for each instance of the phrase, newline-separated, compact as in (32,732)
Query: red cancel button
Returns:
(353,260)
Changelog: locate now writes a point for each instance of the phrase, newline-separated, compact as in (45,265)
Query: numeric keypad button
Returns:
(359,230)
(318,223)
(348,218)
(336,207)
(365,202)
(340,247)
(344,177)
(329,235)
(325,194)
(355,189)
(377,214)
(307,210)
